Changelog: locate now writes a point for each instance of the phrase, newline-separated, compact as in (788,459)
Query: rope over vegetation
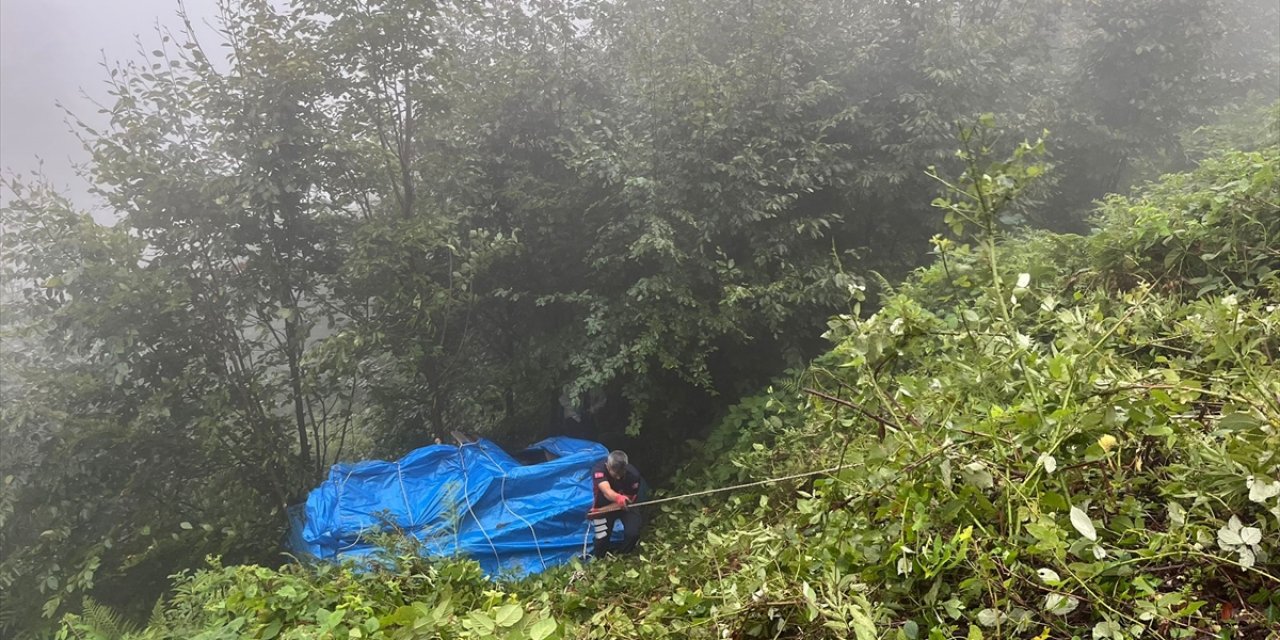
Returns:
(1099,456)
(937,228)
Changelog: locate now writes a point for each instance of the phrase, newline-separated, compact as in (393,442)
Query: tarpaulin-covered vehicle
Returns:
(475,500)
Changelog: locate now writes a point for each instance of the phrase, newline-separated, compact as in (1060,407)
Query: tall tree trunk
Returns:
(406,151)
(293,348)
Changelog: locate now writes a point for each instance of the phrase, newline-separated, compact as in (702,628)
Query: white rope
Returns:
(359,536)
(737,486)
(586,538)
(467,499)
(338,510)
(413,519)
(503,495)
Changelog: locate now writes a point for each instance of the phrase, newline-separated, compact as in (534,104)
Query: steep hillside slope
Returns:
(1086,446)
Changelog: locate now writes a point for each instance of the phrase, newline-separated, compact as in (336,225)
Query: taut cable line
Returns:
(745,485)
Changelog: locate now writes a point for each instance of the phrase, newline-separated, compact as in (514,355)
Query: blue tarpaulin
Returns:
(475,500)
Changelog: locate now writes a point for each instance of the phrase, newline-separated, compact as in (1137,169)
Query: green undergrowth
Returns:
(1082,445)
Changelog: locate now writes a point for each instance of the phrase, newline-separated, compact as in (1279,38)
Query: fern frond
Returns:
(105,621)
(157,620)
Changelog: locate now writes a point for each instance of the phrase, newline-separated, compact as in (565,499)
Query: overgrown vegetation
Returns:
(1049,436)
(370,223)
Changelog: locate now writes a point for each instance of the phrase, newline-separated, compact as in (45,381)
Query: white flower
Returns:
(1234,536)
(1049,576)
(1049,463)
(1260,490)
(1060,605)
(904,566)
(1080,520)
(989,617)
(1106,630)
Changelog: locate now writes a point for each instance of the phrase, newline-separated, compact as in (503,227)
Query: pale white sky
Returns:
(51,51)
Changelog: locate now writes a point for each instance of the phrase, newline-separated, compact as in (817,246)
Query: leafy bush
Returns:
(405,598)
(1048,436)
(1212,231)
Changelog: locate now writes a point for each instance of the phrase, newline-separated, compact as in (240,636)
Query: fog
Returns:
(51,52)
(732,238)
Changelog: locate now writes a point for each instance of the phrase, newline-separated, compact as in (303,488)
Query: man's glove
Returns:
(622,500)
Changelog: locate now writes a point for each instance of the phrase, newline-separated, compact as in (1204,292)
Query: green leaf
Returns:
(271,630)
(1238,422)
(911,629)
(864,628)
(479,621)
(335,618)
(542,629)
(507,615)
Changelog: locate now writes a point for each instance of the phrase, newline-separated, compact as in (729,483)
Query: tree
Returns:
(186,325)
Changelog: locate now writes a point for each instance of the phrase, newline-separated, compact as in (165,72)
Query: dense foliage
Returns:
(370,223)
(1048,436)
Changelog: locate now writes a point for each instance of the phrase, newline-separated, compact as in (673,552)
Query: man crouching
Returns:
(617,484)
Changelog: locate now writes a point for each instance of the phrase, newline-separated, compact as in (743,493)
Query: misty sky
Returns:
(51,51)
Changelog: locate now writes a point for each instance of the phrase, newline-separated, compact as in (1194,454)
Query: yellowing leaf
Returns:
(1107,442)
